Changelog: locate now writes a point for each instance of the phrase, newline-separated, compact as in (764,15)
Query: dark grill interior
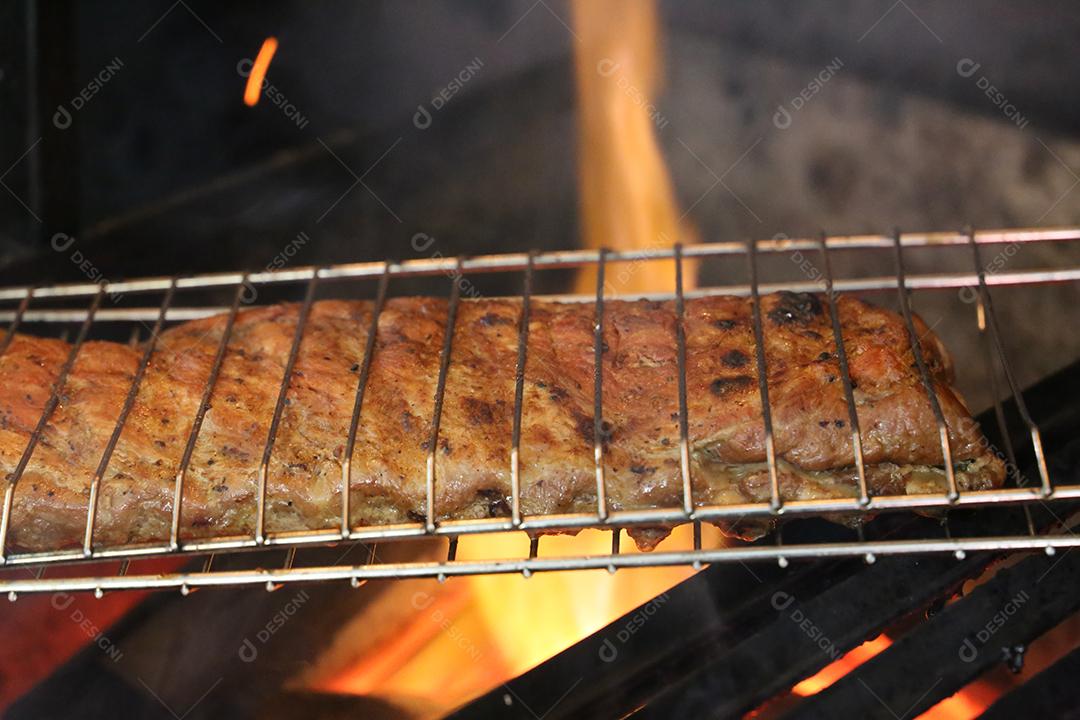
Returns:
(126,152)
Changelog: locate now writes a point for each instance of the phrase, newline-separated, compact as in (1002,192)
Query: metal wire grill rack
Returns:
(30,572)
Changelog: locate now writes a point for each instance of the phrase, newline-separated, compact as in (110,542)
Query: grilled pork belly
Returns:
(640,432)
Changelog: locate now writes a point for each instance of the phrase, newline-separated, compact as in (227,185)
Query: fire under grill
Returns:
(83,305)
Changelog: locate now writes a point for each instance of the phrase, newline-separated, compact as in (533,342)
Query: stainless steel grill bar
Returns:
(279,407)
(598,391)
(4,345)
(129,403)
(776,502)
(532,564)
(991,371)
(440,392)
(845,376)
(697,543)
(451,555)
(861,503)
(1012,469)
(684,414)
(868,557)
(625,518)
(16,320)
(200,414)
(951,281)
(1018,396)
(519,397)
(904,297)
(534,550)
(50,407)
(545,260)
(358,403)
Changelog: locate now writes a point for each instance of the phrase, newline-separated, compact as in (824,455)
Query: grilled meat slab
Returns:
(640,419)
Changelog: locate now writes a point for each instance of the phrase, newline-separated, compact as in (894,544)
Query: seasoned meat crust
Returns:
(640,422)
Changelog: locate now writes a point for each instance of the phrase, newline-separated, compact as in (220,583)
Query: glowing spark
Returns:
(258,71)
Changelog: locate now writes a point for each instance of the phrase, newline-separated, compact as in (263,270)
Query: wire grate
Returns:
(862,504)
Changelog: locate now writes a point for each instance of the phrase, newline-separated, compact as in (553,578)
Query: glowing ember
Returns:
(253,89)
(842,666)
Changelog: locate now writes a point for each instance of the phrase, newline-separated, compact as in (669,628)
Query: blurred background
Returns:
(401,129)
(168,137)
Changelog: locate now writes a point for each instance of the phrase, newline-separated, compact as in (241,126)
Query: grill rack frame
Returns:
(529,263)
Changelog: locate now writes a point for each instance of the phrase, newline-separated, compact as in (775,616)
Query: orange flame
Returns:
(627,199)
(472,634)
(253,89)
(478,632)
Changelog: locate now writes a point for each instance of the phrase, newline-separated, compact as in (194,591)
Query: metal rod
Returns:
(869,557)
(845,375)
(279,408)
(547,260)
(781,560)
(16,320)
(749,553)
(928,384)
(934,281)
(775,500)
(129,403)
(200,414)
(39,429)
(358,403)
(1018,395)
(567,522)
(534,550)
(616,534)
(519,396)
(440,391)
(684,413)
(598,391)
(999,411)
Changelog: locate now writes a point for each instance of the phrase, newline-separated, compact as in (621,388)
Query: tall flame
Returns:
(627,199)
(469,641)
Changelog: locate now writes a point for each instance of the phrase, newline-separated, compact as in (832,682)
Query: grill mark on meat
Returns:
(494,319)
(729,385)
(557,393)
(800,308)
(479,412)
(735,358)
